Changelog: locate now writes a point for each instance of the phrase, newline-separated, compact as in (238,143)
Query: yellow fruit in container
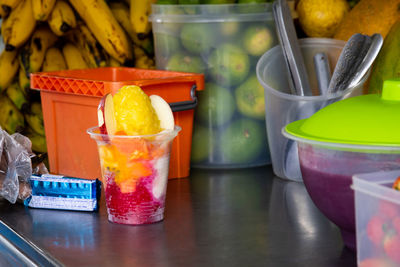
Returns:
(320,18)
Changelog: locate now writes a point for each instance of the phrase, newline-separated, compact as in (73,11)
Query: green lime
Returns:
(229,28)
(257,40)
(229,65)
(166,44)
(185,63)
(202,143)
(197,37)
(216,105)
(243,141)
(250,98)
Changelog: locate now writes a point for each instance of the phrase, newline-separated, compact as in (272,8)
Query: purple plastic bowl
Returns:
(327,171)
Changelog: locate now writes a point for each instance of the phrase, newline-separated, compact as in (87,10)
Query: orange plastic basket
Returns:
(70,99)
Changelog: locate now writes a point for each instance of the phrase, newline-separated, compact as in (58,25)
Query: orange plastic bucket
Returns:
(70,99)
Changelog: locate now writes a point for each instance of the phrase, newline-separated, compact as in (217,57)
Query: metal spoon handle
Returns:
(373,51)
(345,62)
(322,71)
(291,48)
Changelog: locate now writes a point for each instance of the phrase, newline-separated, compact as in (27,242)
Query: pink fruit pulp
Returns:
(138,207)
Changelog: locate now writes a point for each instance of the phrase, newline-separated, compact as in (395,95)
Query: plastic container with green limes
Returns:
(224,42)
(357,135)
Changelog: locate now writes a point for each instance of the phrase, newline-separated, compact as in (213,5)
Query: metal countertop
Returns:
(243,217)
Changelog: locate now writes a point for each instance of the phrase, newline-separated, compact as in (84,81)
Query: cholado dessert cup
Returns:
(135,174)
(134,140)
(356,135)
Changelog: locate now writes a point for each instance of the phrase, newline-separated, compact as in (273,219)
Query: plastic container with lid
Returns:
(282,107)
(356,135)
(224,42)
(377,218)
(70,99)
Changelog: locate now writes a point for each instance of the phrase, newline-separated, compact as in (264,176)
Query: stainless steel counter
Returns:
(213,218)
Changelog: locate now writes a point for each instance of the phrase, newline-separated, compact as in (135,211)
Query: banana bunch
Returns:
(100,20)
(143,48)
(54,35)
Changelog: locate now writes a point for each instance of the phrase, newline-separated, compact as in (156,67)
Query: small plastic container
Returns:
(224,42)
(70,99)
(282,107)
(135,184)
(377,218)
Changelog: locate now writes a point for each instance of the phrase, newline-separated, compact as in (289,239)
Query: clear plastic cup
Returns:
(282,107)
(135,174)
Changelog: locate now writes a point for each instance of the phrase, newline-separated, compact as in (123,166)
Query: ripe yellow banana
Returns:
(104,26)
(144,62)
(93,53)
(121,13)
(3,13)
(11,119)
(18,26)
(36,108)
(32,54)
(38,141)
(62,18)
(73,57)
(140,11)
(35,121)
(42,9)
(23,80)
(8,68)
(6,6)
(54,60)
(17,96)
(112,62)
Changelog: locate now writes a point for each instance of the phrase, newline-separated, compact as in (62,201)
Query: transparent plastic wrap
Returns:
(16,166)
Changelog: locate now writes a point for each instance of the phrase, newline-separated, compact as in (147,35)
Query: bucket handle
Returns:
(185,105)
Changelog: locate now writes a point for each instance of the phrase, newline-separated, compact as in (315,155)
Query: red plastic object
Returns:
(69,103)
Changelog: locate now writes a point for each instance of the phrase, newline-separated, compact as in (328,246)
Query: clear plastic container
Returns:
(282,107)
(135,174)
(224,42)
(377,218)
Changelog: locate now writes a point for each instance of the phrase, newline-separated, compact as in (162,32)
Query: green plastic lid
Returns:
(362,120)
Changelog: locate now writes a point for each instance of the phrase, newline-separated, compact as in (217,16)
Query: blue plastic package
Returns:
(51,191)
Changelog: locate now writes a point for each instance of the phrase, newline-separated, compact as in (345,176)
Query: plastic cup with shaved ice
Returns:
(134,139)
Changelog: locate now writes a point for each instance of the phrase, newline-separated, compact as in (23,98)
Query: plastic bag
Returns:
(15,166)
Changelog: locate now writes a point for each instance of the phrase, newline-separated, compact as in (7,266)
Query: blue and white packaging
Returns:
(51,191)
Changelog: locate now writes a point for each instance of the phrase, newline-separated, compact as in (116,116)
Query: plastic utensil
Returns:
(322,71)
(291,49)
(372,53)
(354,50)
